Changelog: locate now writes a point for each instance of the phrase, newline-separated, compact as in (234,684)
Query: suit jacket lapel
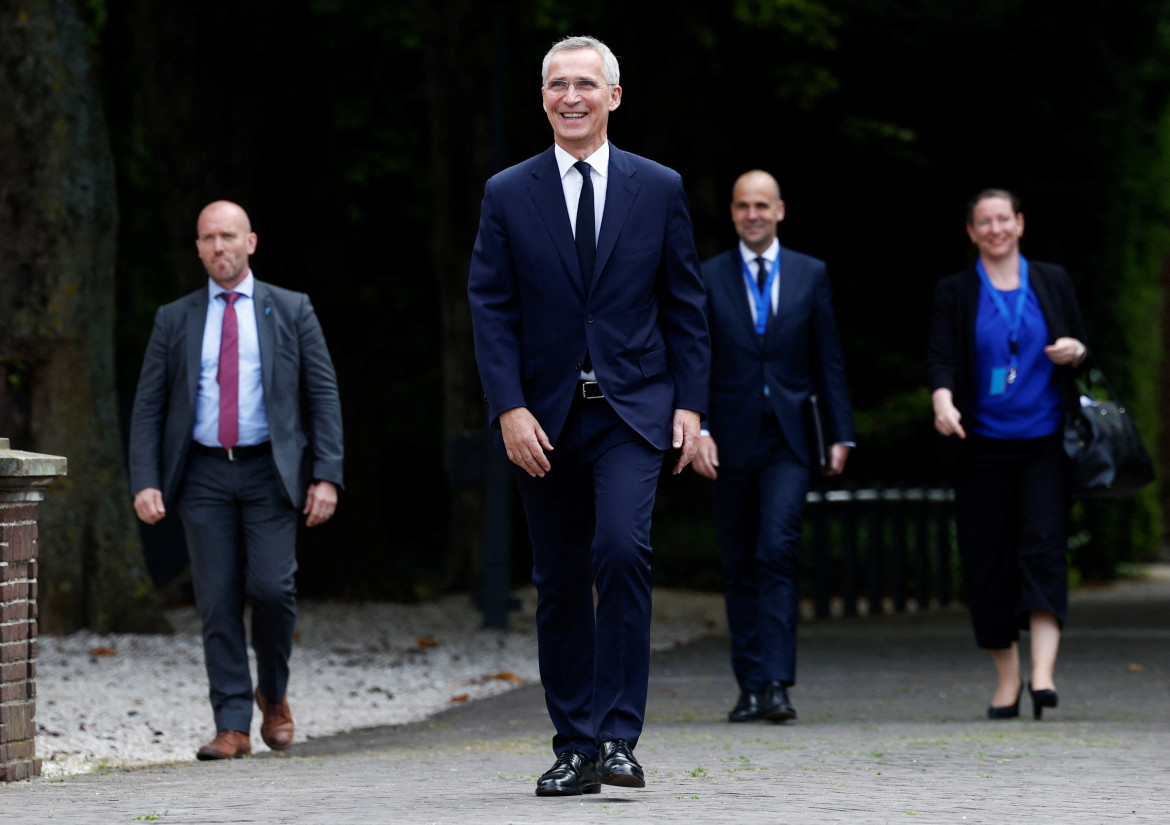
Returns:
(791,279)
(548,193)
(196,321)
(731,284)
(265,332)
(620,193)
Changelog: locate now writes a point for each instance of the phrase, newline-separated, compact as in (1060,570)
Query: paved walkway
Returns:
(891,729)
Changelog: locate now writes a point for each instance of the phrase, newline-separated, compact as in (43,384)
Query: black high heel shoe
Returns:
(1008,711)
(1041,699)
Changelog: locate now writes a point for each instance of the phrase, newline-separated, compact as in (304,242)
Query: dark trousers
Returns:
(758,512)
(589,521)
(1012,518)
(241,536)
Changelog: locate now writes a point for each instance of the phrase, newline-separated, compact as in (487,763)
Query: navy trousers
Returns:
(758,511)
(241,536)
(589,521)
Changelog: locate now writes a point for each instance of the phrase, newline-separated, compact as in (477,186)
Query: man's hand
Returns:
(525,441)
(838,454)
(148,504)
(707,458)
(686,437)
(320,503)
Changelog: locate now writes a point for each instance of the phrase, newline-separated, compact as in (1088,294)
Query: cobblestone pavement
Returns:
(891,729)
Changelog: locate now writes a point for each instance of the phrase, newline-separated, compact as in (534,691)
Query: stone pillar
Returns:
(23,478)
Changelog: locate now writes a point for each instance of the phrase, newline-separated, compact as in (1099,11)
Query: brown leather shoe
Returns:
(227,744)
(277,728)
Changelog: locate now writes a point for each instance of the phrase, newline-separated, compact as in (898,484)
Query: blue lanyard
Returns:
(1013,321)
(763,304)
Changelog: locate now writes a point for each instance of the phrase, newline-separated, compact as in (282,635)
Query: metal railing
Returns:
(880,550)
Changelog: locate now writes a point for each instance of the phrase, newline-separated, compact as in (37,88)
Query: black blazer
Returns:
(950,353)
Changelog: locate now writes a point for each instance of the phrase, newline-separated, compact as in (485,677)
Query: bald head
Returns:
(756,209)
(224,209)
(225,241)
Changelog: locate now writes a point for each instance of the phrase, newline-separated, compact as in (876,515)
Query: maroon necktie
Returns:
(229,374)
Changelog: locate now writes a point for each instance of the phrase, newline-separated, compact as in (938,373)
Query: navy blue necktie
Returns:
(762,282)
(586,231)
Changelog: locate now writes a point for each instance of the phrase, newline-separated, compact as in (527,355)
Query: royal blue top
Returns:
(1029,407)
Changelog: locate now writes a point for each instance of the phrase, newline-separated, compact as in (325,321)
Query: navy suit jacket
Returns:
(642,321)
(799,354)
(295,369)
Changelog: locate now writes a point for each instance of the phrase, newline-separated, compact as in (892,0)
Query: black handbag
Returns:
(1107,458)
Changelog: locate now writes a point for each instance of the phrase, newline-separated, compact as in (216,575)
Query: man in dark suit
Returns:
(217,433)
(774,343)
(590,335)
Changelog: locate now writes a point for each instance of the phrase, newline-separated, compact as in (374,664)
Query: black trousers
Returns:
(1012,516)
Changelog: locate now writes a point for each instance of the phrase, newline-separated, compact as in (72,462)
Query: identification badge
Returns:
(999,380)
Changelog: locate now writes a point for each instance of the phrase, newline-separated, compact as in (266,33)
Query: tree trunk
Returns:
(453,51)
(58,217)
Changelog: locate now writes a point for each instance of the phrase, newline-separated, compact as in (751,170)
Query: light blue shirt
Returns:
(252,411)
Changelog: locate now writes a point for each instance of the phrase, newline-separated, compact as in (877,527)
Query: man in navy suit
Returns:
(774,344)
(217,433)
(591,341)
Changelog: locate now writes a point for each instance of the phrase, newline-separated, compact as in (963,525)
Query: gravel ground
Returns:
(121,700)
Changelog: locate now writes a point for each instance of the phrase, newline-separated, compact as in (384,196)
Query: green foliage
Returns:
(96,16)
(806,20)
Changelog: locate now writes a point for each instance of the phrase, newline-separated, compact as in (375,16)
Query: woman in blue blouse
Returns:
(1006,336)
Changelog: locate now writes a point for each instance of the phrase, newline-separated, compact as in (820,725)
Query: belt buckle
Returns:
(590,390)
(231,455)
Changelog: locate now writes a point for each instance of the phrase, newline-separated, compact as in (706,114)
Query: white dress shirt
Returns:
(769,257)
(572,182)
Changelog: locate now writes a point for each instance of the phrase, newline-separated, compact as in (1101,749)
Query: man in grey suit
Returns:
(217,433)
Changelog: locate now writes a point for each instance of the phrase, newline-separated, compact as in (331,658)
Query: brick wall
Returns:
(18,641)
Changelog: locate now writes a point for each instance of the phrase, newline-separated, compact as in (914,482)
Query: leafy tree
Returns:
(58,222)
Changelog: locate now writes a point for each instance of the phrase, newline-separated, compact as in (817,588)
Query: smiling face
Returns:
(756,208)
(579,120)
(224,240)
(996,229)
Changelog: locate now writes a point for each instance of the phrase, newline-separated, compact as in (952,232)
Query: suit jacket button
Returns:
(589,319)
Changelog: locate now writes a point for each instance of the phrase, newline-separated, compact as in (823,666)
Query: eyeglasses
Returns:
(583,87)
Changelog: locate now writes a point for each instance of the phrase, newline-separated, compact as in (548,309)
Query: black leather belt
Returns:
(235,453)
(589,390)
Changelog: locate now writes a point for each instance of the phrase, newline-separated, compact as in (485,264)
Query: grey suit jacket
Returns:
(297,373)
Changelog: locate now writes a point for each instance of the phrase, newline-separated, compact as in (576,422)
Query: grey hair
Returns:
(609,62)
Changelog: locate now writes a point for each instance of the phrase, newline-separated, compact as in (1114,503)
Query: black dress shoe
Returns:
(572,775)
(616,765)
(1006,711)
(747,709)
(1043,698)
(776,707)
